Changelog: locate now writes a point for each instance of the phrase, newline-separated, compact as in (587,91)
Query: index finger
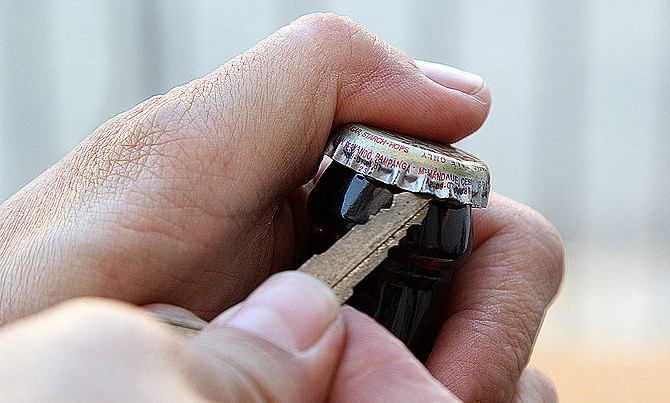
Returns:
(497,301)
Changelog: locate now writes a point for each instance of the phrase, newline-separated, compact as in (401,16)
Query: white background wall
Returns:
(579,128)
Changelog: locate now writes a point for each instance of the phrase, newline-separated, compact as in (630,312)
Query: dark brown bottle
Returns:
(404,293)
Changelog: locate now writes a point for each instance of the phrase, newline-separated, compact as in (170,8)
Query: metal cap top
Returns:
(410,164)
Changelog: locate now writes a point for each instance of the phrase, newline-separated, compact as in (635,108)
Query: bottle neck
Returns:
(342,198)
(445,234)
(405,292)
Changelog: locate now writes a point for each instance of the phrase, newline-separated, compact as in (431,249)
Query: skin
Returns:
(195,197)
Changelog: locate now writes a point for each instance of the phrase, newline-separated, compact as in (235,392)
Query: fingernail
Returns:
(291,310)
(452,77)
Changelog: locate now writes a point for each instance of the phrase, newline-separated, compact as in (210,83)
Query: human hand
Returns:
(193,197)
(271,347)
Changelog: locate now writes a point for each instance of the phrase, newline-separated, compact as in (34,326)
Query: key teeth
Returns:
(407,199)
(398,199)
(412,203)
(365,246)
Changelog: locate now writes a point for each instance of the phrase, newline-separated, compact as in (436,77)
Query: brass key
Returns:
(364,247)
(352,257)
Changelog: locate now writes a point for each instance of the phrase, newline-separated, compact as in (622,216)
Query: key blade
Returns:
(365,246)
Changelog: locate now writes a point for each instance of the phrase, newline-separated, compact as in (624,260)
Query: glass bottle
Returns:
(370,165)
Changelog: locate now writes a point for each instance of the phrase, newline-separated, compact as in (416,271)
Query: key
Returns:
(353,256)
(365,246)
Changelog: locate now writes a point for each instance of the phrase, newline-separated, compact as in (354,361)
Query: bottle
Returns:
(369,165)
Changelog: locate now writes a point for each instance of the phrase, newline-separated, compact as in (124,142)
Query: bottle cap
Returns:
(410,164)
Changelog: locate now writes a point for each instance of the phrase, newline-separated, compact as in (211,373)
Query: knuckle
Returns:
(135,145)
(362,60)
(329,25)
(159,126)
(119,149)
(344,41)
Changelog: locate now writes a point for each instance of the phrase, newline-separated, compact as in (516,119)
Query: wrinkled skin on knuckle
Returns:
(168,137)
(154,155)
(360,59)
(328,28)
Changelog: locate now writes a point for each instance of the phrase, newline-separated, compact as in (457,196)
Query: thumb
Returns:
(282,344)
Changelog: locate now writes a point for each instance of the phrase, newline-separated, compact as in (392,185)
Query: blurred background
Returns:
(579,130)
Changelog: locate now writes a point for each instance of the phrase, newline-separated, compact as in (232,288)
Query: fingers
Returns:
(377,367)
(281,344)
(284,345)
(497,302)
(273,347)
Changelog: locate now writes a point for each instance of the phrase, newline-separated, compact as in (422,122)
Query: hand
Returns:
(193,197)
(272,347)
